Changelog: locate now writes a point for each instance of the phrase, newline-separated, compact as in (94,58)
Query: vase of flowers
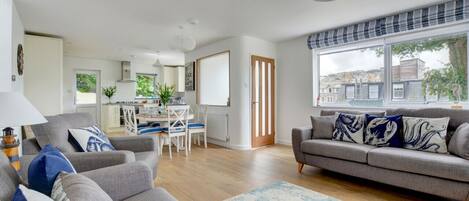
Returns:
(165,92)
(109,92)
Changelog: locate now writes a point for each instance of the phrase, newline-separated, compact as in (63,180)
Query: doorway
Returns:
(263,101)
(87,93)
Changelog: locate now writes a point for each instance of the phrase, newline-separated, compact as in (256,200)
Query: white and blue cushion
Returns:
(383,131)
(148,130)
(45,167)
(349,127)
(23,193)
(195,125)
(426,134)
(90,139)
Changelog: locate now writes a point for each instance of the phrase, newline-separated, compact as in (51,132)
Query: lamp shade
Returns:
(16,110)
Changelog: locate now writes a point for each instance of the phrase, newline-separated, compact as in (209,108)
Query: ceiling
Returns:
(116,29)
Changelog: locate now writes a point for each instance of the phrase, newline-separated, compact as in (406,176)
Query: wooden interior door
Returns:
(263,101)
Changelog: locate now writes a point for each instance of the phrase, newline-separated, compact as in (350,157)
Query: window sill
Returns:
(464,105)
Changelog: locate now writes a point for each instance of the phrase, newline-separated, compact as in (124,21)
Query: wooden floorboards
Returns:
(217,173)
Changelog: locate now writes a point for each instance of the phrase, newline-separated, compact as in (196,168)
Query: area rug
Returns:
(280,191)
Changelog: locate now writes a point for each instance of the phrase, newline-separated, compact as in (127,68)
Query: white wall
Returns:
(6,21)
(17,38)
(241,49)
(294,87)
(43,66)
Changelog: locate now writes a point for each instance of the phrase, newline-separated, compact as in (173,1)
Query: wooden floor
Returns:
(217,173)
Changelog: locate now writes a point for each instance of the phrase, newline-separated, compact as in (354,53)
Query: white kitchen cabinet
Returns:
(110,118)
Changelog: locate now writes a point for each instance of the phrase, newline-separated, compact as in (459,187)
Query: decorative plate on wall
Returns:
(20,60)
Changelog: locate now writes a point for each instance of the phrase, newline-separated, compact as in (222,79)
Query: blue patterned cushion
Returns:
(90,139)
(349,127)
(196,125)
(426,134)
(22,193)
(383,131)
(148,130)
(45,167)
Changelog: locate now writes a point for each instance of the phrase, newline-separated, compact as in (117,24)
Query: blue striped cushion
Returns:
(176,130)
(146,130)
(196,125)
(148,124)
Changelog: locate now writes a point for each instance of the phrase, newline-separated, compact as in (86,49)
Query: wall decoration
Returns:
(190,76)
(19,59)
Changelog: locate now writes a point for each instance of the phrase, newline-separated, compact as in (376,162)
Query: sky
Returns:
(367,60)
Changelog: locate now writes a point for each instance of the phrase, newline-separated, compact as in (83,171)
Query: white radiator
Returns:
(217,126)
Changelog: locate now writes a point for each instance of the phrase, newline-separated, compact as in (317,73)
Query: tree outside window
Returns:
(146,85)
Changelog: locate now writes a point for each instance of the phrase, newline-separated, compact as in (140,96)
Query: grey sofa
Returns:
(128,182)
(55,132)
(438,174)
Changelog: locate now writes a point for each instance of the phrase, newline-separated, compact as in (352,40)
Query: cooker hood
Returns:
(127,72)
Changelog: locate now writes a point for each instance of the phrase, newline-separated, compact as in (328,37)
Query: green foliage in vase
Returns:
(165,92)
(109,92)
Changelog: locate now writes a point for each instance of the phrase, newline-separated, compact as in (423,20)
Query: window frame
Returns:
(378,91)
(197,80)
(155,82)
(386,42)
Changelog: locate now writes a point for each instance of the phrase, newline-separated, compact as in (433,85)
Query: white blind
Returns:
(214,80)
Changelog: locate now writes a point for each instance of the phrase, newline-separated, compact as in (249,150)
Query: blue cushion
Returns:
(176,130)
(19,196)
(23,193)
(141,125)
(196,125)
(45,167)
(349,127)
(384,131)
(90,139)
(147,130)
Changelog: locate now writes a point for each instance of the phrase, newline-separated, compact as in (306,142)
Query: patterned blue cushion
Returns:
(349,127)
(90,139)
(196,125)
(147,130)
(22,193)
(45,167)
(426,134)
(383,131)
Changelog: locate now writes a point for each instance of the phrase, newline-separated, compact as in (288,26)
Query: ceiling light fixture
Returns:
(185,41)
(157,63)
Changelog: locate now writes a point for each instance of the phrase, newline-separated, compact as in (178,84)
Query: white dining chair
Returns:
(177,127)
(131,125)
(199,127)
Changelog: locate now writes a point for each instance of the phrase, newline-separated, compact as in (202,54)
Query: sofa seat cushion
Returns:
(337,149)
(156,194)
(149,158)
(438,165)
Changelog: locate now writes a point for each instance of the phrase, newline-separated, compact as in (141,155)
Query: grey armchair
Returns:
(137,184)
(55,132)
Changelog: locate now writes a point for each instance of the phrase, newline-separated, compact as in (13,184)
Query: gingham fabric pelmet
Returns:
(455,10)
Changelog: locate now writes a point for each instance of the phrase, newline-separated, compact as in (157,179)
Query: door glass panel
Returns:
(85,88)
(256,98)
(263,98)
(269,98)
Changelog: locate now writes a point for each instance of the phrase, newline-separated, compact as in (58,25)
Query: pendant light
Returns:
(157,63)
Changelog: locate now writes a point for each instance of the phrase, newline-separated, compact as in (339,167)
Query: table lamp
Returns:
(15,111)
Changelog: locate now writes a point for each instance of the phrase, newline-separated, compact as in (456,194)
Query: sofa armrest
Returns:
(85,161)
(135,143)
(123,181)
(299,135)
(30,146)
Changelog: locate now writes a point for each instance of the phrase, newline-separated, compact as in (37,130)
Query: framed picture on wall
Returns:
(190,76)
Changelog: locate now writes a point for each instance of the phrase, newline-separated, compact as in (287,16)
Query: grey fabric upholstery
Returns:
(54,132)
(85,161)
(323,126)
(433,185)
(135,143)
(332,112)
(78,120)
(419,162)
(123,181)
(159,194)
(30,146)
(77,187)
(457,117)
(149,158)
(9,179)
(337,149)
(459,143)
(298,136)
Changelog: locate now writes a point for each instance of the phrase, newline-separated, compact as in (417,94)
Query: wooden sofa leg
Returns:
(300,167)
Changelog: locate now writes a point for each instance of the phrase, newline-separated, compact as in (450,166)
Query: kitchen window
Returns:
(146,85)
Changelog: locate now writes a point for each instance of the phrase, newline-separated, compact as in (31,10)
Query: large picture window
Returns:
(213,83)
(426,71)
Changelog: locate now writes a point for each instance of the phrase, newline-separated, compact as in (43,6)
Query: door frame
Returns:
(98,92)
(273,91)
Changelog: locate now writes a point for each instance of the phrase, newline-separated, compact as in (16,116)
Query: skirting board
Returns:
(227,145)
(283,142)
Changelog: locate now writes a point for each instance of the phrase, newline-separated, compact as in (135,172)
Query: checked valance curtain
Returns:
(455,10)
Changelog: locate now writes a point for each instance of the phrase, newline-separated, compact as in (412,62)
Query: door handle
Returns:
(255,102)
